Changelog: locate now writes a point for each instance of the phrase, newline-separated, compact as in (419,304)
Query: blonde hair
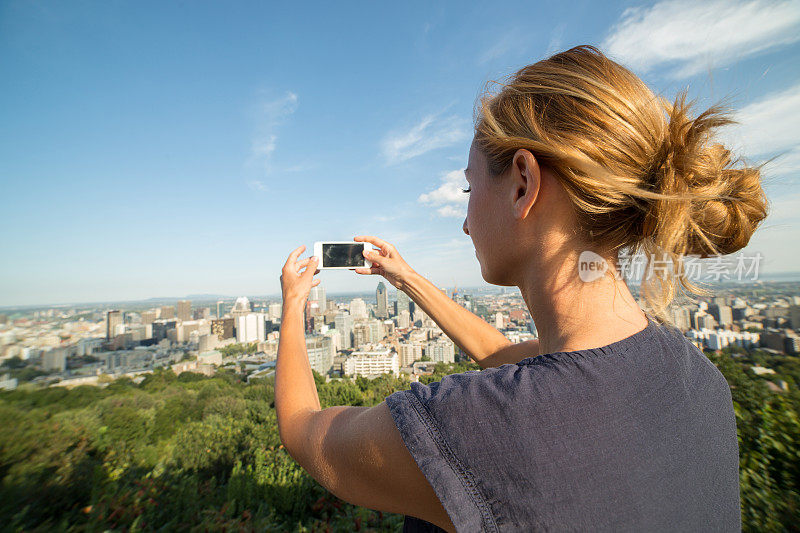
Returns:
(642,174)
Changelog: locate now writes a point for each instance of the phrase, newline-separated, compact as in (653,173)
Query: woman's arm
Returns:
(480,340)
(356,453)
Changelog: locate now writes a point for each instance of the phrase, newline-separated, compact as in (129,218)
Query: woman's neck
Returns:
(571,314)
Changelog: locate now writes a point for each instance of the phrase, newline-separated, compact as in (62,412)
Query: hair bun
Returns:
(722,205)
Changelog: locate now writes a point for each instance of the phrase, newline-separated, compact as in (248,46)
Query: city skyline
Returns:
(191,151)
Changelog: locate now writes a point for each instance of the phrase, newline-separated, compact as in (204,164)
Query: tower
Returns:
(382,307)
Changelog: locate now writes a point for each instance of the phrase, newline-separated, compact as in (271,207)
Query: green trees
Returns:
(197,452)
(174,452)
(769,444)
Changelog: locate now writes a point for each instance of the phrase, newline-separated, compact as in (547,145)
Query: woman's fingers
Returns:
(373,256)
(371,270)
(293,256)
(380,243)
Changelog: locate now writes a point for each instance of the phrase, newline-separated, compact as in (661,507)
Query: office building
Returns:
(402,303)
(223,328)
(722,314)
(321,351)
(148,317)
(403,319)
(358,308)
(251,327)
(316,297)
(184,310)
(382,301)
(344,324)
(161,329)
(410,353)
(441,351)
(275,311)
(167,312)
(681,318)
(113,319)
(372,363)
(242,307)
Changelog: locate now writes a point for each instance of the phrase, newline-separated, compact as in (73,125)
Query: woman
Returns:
(611,420)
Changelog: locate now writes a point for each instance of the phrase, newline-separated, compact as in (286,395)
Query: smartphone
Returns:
(344,255)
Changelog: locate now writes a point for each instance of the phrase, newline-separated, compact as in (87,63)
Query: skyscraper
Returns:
(402,303)
(382,301)
(113,319)
(358,308)
(317,294)
(242,307)
(220,309)
(184,310)
(344,324)
(148,317)
(167,312)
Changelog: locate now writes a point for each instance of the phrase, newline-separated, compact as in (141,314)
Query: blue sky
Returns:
(162,149)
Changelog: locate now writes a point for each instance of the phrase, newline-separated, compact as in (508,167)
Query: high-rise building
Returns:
(361,334)
(410,353)
(371,363)
(184,310)
(382,304)
(358,308)
(113,319)
(376,330)
(167,312)
(241,307)
(441,351)
(148,317)
(162,327)
(251,327)
(320,351)
(403,319)
(275,311)
(402,303)
(344,324)
(317,295)
(681,317)
(722,313)
(223,328)
(220,309)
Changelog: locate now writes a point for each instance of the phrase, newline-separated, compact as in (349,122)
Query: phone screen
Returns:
(343,255)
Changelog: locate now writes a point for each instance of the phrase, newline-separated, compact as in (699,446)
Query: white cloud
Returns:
(767,126)
(688,37)
(257,185)
(451,211)
(269,115)
(449,196)
(431,133)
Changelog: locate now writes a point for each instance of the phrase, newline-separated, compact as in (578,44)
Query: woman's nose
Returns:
(464,227)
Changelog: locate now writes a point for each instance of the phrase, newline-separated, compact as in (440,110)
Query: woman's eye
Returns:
(468,189)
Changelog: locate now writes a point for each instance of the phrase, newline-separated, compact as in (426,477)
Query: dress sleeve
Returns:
(416,413)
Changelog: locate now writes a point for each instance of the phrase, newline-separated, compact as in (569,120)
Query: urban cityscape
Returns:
(68,346)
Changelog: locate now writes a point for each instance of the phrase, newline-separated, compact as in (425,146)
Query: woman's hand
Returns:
(386,261)
(295,285)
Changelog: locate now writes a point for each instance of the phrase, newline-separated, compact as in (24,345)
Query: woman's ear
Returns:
(526,178)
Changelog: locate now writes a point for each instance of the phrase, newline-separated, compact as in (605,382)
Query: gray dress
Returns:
(638,435)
